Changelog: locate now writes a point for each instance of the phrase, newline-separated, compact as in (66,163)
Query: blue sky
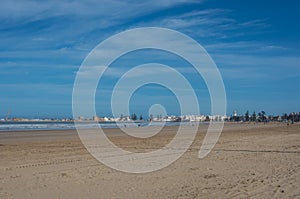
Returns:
(255,45)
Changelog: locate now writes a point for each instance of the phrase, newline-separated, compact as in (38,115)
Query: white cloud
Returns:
(88,72)
(249,67)
(117,9)
(243,47)
(201,18)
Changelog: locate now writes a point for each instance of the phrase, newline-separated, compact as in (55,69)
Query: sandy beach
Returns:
(249,161)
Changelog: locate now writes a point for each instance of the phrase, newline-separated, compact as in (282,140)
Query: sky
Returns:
(255,45)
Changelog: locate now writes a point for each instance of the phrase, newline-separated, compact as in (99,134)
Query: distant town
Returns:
(235,117)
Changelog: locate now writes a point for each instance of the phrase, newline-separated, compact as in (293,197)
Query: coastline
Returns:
(20,126)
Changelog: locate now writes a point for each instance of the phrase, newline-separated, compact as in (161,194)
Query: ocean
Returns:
(43,125)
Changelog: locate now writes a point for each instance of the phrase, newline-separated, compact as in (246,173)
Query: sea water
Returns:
(43,125)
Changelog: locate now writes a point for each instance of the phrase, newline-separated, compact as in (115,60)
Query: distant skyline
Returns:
(255,45)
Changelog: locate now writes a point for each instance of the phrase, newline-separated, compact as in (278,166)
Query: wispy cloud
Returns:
(215,23)
(116,10)
(244,47)
(255,69)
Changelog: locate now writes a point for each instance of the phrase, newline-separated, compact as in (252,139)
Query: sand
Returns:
(249,161)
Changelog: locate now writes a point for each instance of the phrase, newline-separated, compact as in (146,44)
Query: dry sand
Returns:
(249,161)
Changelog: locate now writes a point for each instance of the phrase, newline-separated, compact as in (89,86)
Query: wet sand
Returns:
(249,161)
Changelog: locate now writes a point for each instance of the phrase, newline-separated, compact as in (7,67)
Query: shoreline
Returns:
(34,126)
